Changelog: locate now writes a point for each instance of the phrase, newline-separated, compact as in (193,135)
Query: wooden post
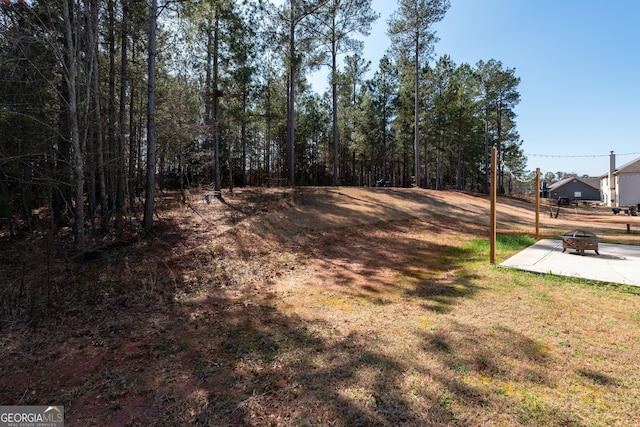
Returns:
(494,195)
(537,204)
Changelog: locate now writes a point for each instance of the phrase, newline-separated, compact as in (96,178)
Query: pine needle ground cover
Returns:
(317,307)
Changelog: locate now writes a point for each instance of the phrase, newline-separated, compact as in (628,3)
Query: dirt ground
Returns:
(220,317)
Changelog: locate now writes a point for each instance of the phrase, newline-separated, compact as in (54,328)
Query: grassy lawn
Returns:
(456,341)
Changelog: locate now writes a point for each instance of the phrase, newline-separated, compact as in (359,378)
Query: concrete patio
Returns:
(615,264)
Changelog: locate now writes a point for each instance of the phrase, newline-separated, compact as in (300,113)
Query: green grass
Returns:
(504,244)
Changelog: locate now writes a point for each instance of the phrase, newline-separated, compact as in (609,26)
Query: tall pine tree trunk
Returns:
(243,138)
(416,143)
(268,142)
(334,101)
(99,146)
(147,221)
(121,181)
(133,141)
(291,100)
(111,111)
(216,104)
(78,161)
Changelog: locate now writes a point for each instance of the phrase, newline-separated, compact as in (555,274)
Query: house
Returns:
(621,186)
(575,188)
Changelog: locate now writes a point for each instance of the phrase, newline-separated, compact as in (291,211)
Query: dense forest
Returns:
(103,103)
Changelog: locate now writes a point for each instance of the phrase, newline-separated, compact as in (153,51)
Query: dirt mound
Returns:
(326,208)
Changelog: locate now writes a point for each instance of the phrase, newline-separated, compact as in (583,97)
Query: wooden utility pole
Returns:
(537,204)
(494,194)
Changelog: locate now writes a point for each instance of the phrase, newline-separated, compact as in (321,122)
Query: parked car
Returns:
(562,200)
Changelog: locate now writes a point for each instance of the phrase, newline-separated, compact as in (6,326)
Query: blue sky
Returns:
(579,65)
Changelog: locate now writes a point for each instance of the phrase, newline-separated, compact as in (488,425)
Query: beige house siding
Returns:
(625,190)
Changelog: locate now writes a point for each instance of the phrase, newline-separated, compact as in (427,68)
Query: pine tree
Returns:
(336,23)
(411,30)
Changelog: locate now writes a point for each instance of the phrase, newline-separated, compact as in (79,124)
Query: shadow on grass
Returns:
(376,265)
(147,335)
(280,370)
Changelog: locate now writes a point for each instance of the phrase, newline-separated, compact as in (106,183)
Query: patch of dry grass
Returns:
(258,313)
(462,342)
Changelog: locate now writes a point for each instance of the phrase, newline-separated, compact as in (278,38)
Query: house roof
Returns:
(632,167)
(590,181)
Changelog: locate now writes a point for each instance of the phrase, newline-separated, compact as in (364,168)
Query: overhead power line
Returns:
(559,156)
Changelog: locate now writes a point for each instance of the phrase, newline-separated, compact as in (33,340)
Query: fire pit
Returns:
(580,240)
